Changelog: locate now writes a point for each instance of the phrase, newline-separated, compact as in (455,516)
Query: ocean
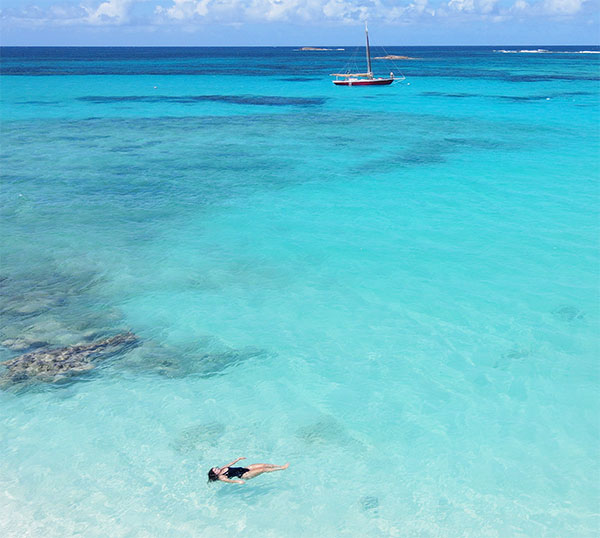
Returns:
(394,289)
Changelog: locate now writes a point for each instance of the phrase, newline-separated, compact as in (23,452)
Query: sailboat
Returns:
(362,79)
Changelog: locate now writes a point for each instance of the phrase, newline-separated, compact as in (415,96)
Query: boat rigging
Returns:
(362,79)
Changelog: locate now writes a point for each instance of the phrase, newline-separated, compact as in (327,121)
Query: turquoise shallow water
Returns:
(394,289)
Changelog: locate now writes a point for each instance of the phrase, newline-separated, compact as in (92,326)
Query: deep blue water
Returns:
(395,289)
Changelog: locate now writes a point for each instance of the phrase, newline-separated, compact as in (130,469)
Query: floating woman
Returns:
(227,472)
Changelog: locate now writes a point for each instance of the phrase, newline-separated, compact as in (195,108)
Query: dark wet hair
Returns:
(212,476)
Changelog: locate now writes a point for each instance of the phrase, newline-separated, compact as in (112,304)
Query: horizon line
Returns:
(332,47)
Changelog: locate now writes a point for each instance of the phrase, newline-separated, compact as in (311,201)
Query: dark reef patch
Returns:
(473,142)
(429,152)
(369,504)
(54,365)
(328,431)
(198,437)
(522,98)
(515,354)
(512,98)
(204,359)
(49,309)
(417,157)
(484,74)
(126,149)
(452,95)
(31,294)
(543,78)
(37,102)
(299,79)
(568,313)
(258,100)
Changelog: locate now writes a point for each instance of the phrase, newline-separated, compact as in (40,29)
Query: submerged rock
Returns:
(395,57)
(51,309)
(73,326)
(176,361)
(214,363)
(54,364)
(21,344)
(328,431)
(369,503)
(514,354)
(568,313)
(199,437)
(32,294)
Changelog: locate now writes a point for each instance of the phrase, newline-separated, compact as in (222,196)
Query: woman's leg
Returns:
(259,468)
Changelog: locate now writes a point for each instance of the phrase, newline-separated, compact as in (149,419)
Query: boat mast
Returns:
(368,51)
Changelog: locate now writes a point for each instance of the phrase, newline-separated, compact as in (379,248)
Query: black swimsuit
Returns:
(236,472)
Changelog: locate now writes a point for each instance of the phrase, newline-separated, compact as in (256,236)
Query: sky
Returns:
(298,22)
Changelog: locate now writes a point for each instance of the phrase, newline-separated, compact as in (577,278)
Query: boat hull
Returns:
(366,82)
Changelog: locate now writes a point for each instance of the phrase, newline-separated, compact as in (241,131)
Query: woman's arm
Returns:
(233,462)
(225,479)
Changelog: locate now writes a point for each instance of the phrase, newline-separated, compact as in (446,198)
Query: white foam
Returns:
(545,51)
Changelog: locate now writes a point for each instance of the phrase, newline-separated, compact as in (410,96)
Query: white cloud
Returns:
(36,16)
(565,7)
(546,8)
(462,5)
(419,6)
(487,6)
(343,11)
(110,12)
(473,6)
(496,11)
(239,12)
(265,10)
(181,9)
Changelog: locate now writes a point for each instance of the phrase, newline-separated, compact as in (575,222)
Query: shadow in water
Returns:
(199,437)
(248,492)
(206,358)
